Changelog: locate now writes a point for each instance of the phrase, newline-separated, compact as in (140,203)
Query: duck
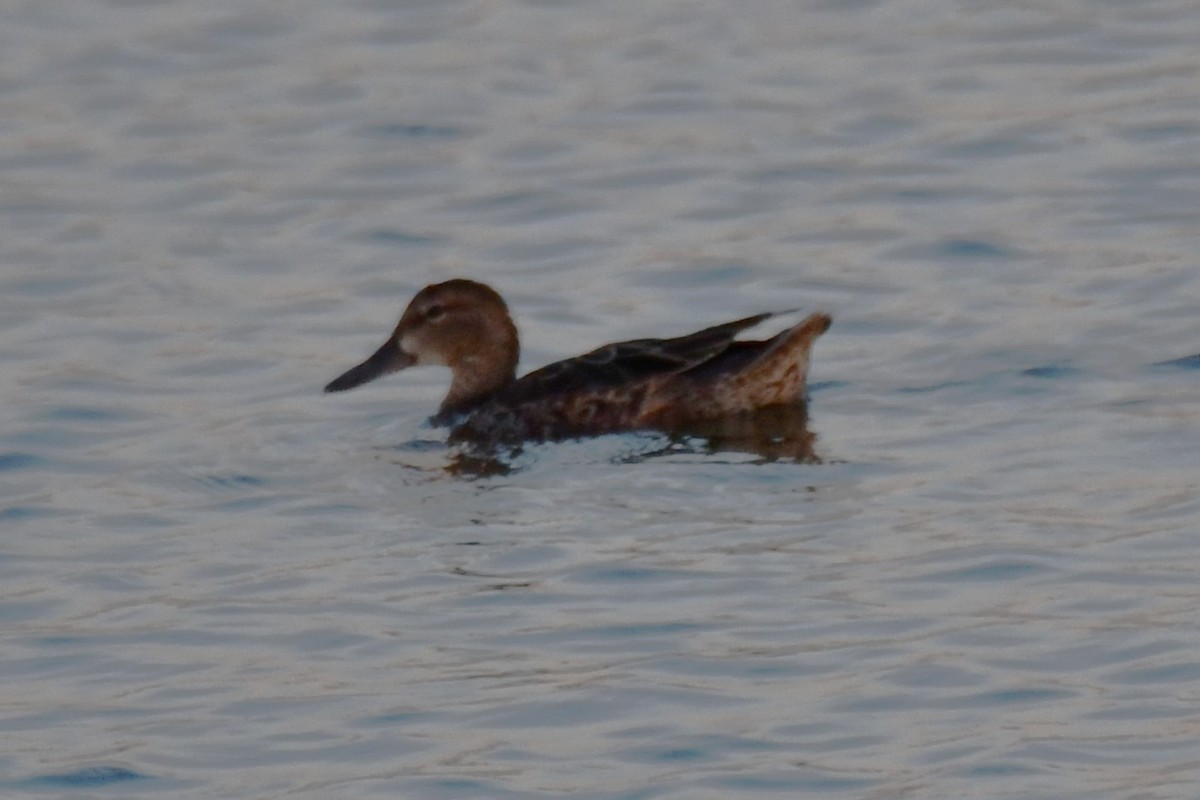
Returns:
(668,385)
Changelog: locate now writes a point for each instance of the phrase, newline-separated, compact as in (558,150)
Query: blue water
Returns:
(217,582)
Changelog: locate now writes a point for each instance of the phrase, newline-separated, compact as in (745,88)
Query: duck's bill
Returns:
(388,358)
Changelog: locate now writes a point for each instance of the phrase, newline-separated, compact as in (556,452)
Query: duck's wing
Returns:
(629,362)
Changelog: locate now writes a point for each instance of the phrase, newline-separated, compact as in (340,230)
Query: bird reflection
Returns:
(773,433)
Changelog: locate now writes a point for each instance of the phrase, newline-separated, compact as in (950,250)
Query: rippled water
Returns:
(216,582)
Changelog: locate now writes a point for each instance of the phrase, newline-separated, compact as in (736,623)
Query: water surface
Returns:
(216,582)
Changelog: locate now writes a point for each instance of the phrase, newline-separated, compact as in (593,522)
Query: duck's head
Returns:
(460,324)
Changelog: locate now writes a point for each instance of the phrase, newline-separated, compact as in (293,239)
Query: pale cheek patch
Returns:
(420,355)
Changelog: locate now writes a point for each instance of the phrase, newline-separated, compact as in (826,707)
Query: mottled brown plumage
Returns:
(645,384)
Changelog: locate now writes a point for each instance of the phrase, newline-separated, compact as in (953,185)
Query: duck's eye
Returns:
(434,313)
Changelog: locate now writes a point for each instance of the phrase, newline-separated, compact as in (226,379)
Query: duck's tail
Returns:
(780,372)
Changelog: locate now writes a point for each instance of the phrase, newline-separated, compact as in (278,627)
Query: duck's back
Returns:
(650,384)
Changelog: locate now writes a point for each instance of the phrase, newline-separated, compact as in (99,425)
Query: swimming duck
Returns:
(645,384)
